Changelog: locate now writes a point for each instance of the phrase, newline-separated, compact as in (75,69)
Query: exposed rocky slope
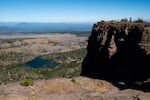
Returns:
(118,51)
(79,88)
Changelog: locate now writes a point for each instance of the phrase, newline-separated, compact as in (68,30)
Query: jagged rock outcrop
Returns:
(118,51)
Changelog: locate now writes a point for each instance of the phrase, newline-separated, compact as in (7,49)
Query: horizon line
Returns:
(146,20)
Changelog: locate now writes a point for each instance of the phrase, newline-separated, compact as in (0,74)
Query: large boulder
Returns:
(118,51)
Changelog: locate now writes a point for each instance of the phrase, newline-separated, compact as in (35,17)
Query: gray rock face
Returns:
(118,51)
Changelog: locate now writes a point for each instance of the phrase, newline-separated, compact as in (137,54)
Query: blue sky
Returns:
(72,10)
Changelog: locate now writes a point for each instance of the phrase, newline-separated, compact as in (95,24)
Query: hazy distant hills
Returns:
(14,28)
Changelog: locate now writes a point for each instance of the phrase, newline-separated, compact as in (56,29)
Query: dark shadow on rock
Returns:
(128,64)
(143,86)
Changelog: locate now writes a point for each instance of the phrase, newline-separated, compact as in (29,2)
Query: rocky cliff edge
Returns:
(118,51)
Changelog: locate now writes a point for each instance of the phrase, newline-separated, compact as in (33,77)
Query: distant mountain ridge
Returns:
(23,27)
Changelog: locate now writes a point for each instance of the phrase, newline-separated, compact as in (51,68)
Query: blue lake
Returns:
(40,62)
